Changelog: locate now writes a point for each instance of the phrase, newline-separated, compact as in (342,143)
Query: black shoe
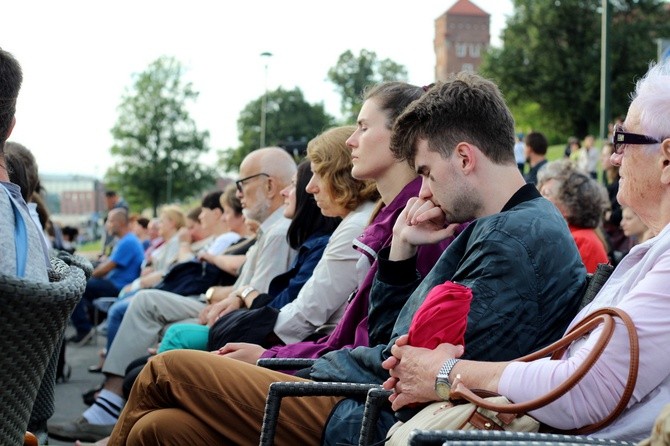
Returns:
(90,395)
(94,369)
(81,338)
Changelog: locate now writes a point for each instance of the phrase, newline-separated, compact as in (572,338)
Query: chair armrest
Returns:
(279,390)
(595,283)
(494,442)
(376,400)
(285,363)
(75,260)
(502,438)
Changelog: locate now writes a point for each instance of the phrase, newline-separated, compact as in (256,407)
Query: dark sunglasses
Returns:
(620,139)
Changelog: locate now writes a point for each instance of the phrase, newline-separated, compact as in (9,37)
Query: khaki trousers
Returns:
(148,316)
(187,397)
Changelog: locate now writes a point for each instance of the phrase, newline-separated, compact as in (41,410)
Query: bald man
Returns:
(121,268)
(263,174)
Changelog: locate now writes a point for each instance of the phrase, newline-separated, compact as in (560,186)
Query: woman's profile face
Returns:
(550,190)
(631,224)
(234,220)
(166,226)
(289,198)
(195,229)
(318,187)
(370,143)
(605,155)
(640,170)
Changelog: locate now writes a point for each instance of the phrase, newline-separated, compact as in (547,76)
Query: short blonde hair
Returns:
(175,215)
(331,159)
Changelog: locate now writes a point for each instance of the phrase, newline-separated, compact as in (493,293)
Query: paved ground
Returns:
(69,404)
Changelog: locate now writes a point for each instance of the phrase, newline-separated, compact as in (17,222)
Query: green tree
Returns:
(289,119)
(156,143)
(353,73)
(551,57)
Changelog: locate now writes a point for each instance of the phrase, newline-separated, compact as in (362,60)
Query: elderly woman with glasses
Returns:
(638,286)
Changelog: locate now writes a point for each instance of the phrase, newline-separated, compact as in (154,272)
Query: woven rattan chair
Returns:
(33,319)
(377,397)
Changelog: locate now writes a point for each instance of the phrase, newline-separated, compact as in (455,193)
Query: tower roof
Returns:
(466,7)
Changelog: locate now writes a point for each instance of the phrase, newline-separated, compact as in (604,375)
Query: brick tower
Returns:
(461,38)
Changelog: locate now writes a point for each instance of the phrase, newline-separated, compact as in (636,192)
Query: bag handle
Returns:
(603,316)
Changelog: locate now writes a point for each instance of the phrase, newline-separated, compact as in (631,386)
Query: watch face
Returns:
(442,388)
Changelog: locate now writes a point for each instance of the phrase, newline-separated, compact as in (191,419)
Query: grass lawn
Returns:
(555,152)
(90,247)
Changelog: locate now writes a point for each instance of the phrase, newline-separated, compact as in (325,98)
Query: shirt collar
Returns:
(526,193)
(277,215)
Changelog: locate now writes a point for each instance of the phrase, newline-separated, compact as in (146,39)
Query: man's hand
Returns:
(413,371)
(241,351)
(223,307)
(420,223)
(202,316)
(204,256)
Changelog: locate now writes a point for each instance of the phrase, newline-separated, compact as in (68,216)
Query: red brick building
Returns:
(462,35)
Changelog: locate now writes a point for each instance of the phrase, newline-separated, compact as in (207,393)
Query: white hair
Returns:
(652,99)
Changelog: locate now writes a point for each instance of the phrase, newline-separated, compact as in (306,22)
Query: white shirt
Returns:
(270,256)
(323,298)
(222,242)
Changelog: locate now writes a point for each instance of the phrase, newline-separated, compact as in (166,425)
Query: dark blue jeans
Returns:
(94,288)
(115,316)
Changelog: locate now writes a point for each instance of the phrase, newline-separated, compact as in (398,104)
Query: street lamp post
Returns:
(264,102)
(605,70)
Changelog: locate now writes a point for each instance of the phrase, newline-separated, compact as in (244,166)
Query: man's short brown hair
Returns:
(465,108)
(11,78)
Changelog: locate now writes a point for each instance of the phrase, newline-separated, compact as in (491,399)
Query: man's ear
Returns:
(270,185)
(665,161)
(465,154)
(11,127)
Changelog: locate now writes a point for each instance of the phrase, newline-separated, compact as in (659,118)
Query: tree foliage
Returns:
(551,57)
(290,119)
(156,142)
(352,74)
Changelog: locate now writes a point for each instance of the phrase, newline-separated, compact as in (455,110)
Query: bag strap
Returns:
(604,316)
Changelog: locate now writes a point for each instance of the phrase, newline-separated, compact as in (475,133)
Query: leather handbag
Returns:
(473,409)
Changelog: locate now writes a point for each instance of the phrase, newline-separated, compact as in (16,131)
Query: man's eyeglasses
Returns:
(620,139)
(241,182)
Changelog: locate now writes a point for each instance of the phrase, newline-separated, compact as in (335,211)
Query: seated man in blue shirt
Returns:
(121,268)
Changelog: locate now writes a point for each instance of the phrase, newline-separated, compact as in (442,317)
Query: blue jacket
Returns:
(526,276)
(286,286)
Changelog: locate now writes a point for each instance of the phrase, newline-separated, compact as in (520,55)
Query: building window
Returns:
(475,49)
(461,49)
(468,67)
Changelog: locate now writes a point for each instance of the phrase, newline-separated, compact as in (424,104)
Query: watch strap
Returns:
(446,368)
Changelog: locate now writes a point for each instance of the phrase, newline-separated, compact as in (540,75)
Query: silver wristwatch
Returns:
(442,383)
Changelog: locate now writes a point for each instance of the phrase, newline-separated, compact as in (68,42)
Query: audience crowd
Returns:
(431,210)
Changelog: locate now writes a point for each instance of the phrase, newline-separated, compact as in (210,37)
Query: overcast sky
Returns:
(78,57)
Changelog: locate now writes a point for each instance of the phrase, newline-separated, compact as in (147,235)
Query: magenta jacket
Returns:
(352,330)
